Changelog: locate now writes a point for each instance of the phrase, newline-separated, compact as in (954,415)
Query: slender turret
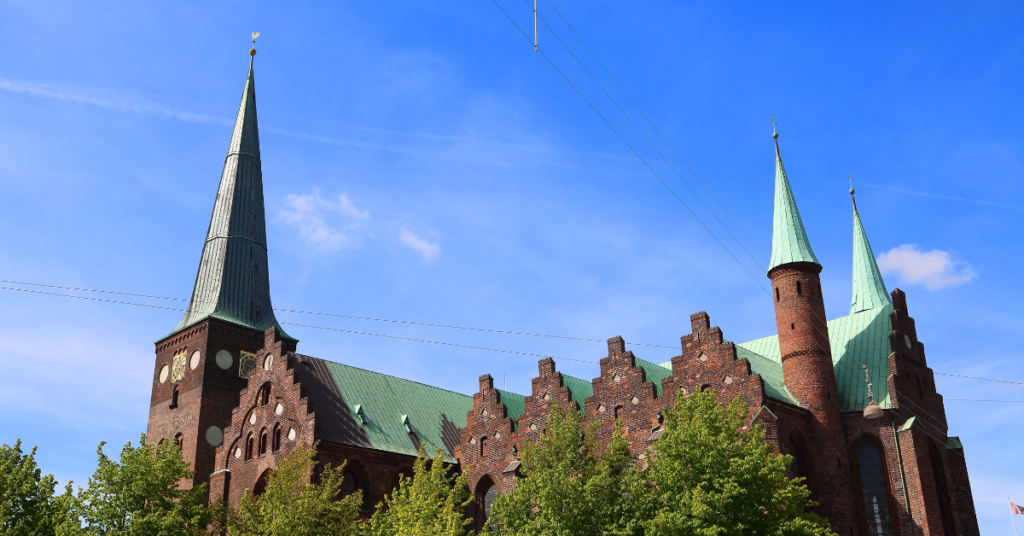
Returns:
(868,287)
(806,355)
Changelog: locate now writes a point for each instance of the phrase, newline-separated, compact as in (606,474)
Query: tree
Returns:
(569,487)
(431,503)
(27,502)
(139,495)
(292,505)
(710,477)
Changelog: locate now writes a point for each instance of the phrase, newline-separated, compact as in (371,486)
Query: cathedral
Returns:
(852,399)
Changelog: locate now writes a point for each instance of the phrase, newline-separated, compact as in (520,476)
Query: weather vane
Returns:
(850,176)
(252,51)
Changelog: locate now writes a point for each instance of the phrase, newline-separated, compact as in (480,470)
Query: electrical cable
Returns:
(352,317)
(627,144)
(649,142)
(976,378)
(662,136)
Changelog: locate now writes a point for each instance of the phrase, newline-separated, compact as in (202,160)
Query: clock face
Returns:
(908,342)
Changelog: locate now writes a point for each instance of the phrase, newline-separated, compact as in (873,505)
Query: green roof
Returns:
(855,339)
(655,373)
(770,371)
(789,239)
(515,405)
(578,389)
(233,283)
(433,413)
(868,287)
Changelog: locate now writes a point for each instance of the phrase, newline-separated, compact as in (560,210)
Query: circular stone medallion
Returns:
(224,359)
(163,373)
(214,436)
(194,362)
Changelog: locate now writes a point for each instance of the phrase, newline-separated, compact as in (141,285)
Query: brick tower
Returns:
(205,361)
(806,354)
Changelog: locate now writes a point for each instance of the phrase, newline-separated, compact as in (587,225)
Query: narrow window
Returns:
(799,453)
(776,293)
(792,326)
(799,291)
(277,438)
(174,398)
(179,440)
(264,439)
(265,395)
(873,487)
(248,447)
(350,485)
(618,412)
(487,493)
(940,486)
(484,447)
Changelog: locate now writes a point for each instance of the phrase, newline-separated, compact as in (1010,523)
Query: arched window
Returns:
(264,440)
(248,447)
(486,494)
(484,447)
(261,483)
(874,488)
(798,450)
(351,484)
(174,398)
(276,445)
(265,395)
(179,440)
(618,412)
(939,474)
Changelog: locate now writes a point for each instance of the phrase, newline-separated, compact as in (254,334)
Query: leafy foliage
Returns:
(139,495)
(569,487)
(27,502)
(431,503)
(710,477)
(292,505)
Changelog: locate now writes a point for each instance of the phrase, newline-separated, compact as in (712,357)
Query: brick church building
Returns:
(230,387)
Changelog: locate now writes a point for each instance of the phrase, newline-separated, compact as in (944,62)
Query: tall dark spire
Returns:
(233,283)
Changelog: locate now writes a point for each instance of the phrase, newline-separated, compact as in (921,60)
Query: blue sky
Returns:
(422,162)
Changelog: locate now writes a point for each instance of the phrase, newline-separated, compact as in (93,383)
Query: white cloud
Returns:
(934,269)
(325,223)
(428,249)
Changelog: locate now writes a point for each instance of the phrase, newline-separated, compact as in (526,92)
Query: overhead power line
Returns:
(505,332)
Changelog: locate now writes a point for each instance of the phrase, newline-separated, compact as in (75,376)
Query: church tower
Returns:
(806,353)
(206,360)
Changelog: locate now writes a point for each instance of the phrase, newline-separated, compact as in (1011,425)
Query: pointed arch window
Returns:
(484,446)
(249,446)
(264,441)
(939,474)
(874,488)
(265,395)
(276,441)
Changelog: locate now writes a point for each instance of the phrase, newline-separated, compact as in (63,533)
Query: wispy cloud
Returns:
(428,249)
(939,196)
(934,269)
(105,98)
(325,223)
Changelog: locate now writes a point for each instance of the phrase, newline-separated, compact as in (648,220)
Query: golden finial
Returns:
(252,51)
(774,124)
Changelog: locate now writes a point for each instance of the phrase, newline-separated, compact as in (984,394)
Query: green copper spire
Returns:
(789,240)
(233,283)
(868,287)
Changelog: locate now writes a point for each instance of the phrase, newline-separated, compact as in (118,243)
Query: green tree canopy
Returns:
(710,477)
(139,495)
(28,506)
(569,487)
(294,505)
(432,503)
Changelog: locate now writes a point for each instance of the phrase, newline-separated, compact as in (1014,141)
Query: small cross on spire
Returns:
(252,51)
(774,124)
(850,176)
